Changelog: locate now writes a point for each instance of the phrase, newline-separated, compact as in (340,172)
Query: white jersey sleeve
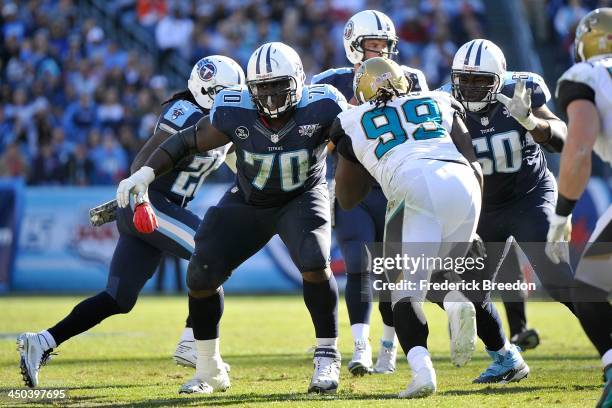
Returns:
(413,127)
(591,81)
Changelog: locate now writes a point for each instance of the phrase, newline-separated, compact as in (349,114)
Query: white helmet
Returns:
(275,78)
(212,74)
(477,74)
(368,24)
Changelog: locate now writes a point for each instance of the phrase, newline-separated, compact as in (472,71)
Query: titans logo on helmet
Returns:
(348,30)
(207,70)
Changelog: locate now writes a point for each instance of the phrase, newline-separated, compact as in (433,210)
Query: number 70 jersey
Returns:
(412,127)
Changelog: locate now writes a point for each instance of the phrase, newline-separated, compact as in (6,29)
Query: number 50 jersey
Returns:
(412,127)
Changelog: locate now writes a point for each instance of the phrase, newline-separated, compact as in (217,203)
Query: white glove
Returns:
(520,105)
(136,184)
(559,234)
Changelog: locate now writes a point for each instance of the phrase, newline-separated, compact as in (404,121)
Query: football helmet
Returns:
(594,35)
(378,74)
(368,24)
(275,78)
(477,74)
(212,74)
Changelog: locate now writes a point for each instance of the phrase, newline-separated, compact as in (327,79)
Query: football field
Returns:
(126,361)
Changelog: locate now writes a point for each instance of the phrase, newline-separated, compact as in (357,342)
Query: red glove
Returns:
(145,220)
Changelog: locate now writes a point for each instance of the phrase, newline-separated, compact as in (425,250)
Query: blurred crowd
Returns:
(75,106)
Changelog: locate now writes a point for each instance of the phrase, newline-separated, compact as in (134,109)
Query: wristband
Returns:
(565,206)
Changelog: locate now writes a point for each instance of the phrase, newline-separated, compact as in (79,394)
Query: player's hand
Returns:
(145,220)
(136,184)
(520,105)
(559,235)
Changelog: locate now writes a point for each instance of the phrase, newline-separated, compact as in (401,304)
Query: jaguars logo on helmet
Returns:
(594,35)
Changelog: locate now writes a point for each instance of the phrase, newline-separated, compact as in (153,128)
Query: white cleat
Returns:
(462,322)
(361,363)
(33,355)
(186,354)
(326,371)
(387,356)
(195,386)
(423,384)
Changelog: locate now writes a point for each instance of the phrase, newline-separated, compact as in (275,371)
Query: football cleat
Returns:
(508,367)
(213,375)
(33,356)
(361,363)
(387,355)
(526,340)
(462,323)
(195,386)
(423,384)
(606,397)
(326,371)
(186,355)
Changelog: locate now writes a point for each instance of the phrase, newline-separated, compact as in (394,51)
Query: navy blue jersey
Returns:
(276,166)
(181,184)
(512,162)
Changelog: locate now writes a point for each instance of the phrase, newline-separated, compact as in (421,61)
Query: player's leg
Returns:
(355,228)
(230,233)
(134,262)
(594,284)
(304,226)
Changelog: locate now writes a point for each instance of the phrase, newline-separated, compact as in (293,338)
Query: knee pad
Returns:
(206,273)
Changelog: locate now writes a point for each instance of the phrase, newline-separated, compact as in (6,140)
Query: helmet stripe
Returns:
(477,63)
(257,65)
(268,62)
(467,56)
(378,24)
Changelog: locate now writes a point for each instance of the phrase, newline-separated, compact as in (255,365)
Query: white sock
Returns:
(327,342)
(388,334)
(504,349)
(360,331)
(606,359)
(49,341)
(187,334)
(418,358)
(205,349)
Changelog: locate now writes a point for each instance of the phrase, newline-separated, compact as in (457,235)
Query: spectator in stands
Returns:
(80,117)
(110,160)
(79,168)
(173,33)
(12,162)
(46,167)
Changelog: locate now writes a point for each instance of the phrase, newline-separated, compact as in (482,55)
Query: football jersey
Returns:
(182,183)
(512,162)
(596,75)
(275,166)
(412,127)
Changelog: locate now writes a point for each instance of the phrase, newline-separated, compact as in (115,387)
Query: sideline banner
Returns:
(11,202)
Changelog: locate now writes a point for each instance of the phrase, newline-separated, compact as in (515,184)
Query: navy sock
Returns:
(188,323)
(84,316)
(489,326)
(358,297)
(205,315)
(411,332)
(322,302)
(517,319)
(386,312)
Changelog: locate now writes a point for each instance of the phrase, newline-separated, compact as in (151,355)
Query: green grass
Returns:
(126,361)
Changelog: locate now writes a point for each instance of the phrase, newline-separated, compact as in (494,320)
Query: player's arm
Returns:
(201,137)
(463,141)
(148,148)
(353,182)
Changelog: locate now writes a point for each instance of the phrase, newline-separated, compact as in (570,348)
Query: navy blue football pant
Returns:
(233,230)
(134,261)
(527,220)
(354,228)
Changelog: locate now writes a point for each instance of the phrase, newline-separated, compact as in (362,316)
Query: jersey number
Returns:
(385,124)
(187,183)
(293,168)
(505,148)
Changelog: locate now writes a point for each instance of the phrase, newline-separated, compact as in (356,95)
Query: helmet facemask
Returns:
(475,90)
(389,52)
(274,96)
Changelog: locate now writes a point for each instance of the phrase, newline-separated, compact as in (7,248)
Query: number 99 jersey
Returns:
(182,183)
(412,127)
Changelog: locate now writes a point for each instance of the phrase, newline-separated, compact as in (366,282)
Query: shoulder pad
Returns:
(447,87)
(319,92)
(177,113)
(540,94)
(328,76)
(418,74)
(582,72)
(234,97)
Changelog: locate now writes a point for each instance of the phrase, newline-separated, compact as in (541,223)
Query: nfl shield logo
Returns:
(274,138)
(484,121)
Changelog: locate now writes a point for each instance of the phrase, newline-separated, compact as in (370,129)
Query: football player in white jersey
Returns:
(417,148)
(585,93)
